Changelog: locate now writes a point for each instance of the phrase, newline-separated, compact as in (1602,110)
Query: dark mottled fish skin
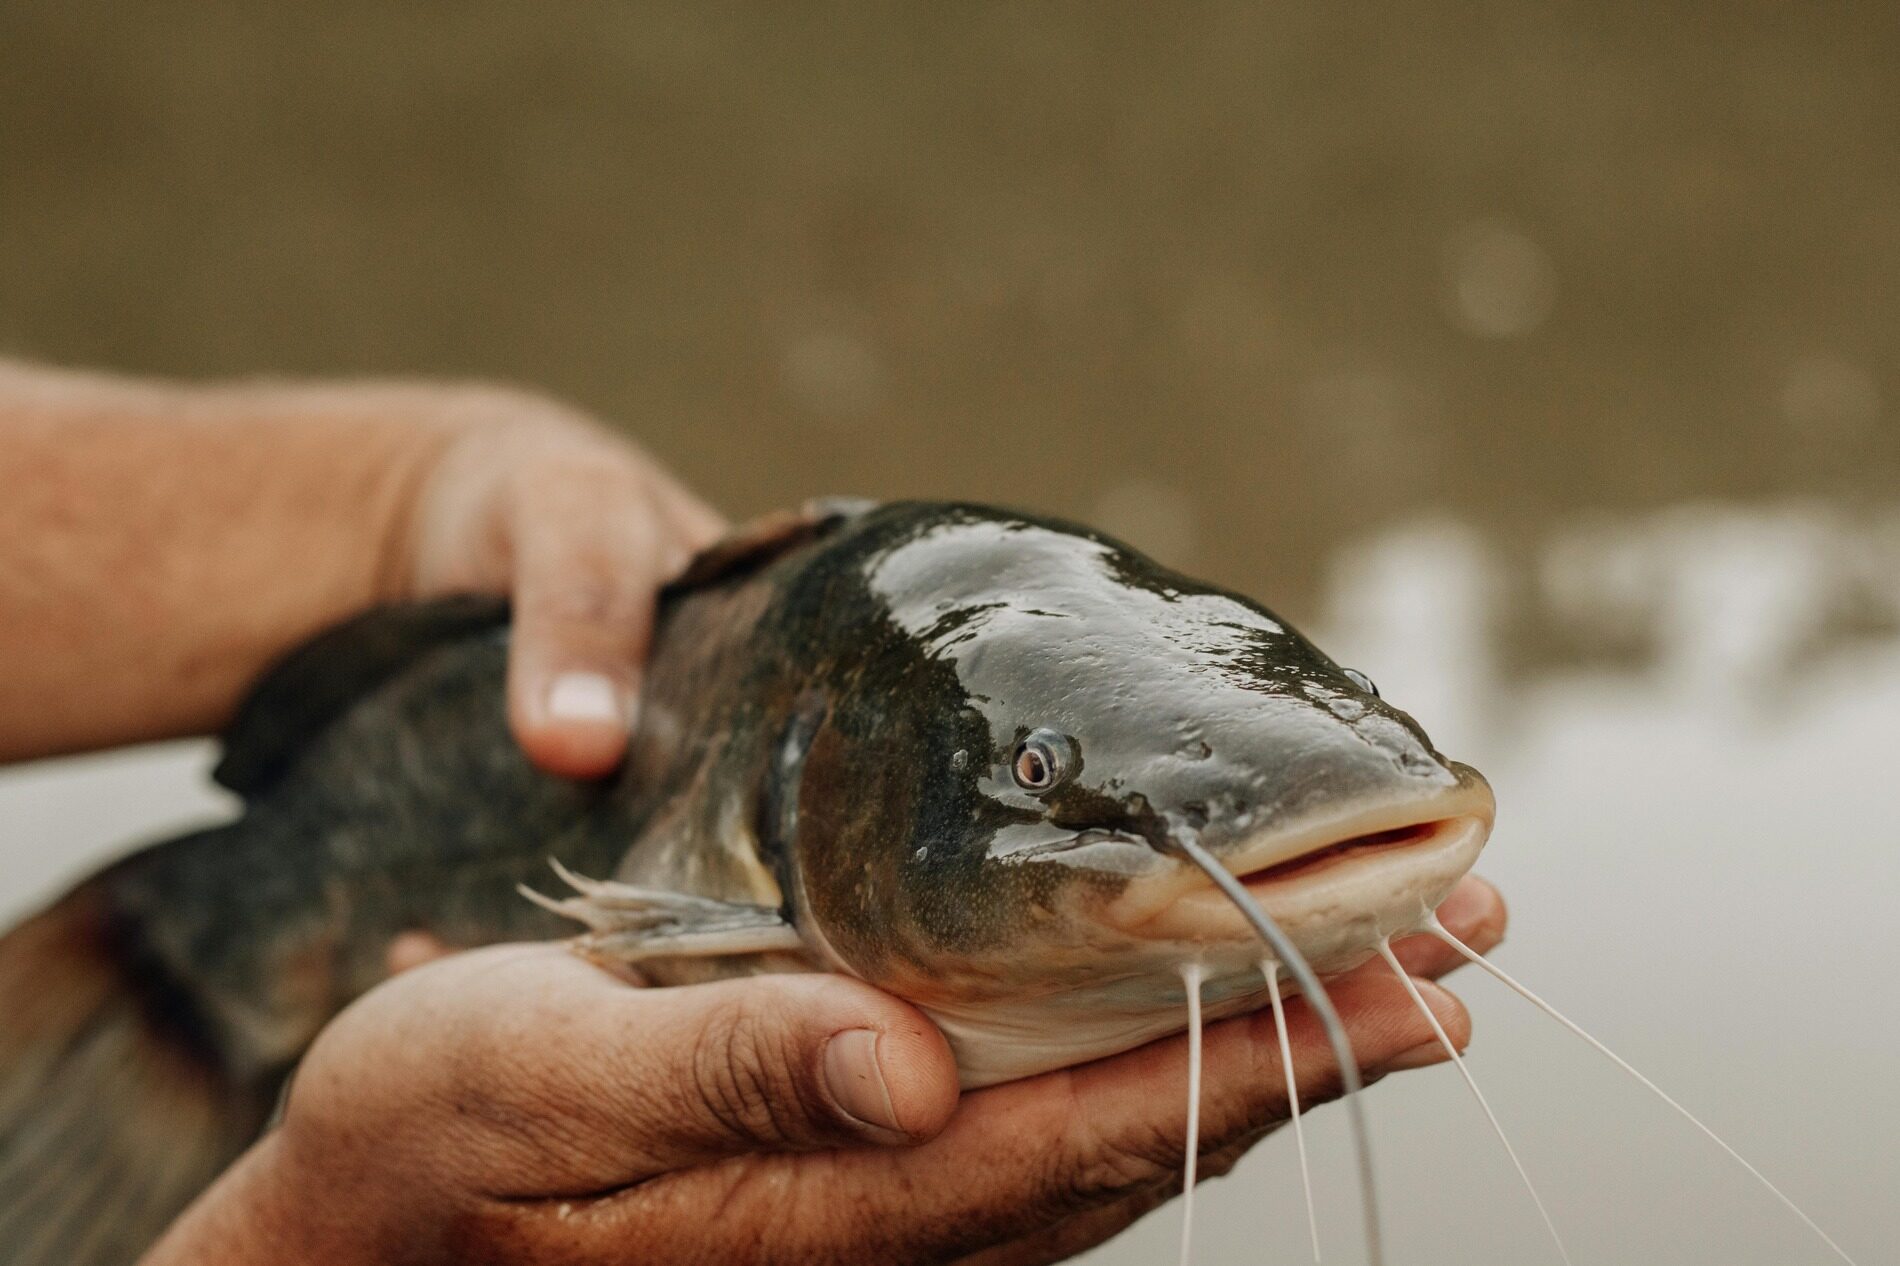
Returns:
(155,1011)
(832,704)
(873,715)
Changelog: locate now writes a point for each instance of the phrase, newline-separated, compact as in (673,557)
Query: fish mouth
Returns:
(1336,886)
(1260,882)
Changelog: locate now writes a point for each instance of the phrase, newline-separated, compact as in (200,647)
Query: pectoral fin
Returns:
(630,924)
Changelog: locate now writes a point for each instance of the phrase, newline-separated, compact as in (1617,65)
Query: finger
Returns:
(578,1083)
(1474,913)
(1023,1156)
(1083,1231)
(1243,1084)
(1075,1234)
(590,556)
(794,1063)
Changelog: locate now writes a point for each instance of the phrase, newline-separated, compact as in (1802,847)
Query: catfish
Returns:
(968,755)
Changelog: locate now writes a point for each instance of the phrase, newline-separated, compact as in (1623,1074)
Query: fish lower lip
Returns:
(1367,876)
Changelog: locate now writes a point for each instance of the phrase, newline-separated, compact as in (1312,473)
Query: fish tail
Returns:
(111,1116)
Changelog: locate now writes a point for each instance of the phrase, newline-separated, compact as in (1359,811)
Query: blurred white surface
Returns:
(1703,864)
(1703,861)
(60,819)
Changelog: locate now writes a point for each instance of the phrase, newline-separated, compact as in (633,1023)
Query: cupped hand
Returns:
(517,1105)
(581,528)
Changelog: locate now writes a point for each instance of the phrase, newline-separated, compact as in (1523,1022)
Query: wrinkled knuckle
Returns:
(1217,1163)
(1101,1168)
(741,1080)
(1322,1085)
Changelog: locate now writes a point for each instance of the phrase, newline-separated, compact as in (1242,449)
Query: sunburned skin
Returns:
(1002,767)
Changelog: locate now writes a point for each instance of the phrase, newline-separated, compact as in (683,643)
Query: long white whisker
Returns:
(1191,975)
(1271,970)
(1444,1040)
(1438,929)
(1302,972)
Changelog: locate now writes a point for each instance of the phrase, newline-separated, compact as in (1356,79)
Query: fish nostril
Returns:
(1196,814)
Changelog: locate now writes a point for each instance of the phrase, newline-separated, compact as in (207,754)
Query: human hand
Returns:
(581,528)
(517,1104)
(168,542)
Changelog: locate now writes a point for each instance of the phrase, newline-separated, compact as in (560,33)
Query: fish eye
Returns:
(1042,760)
(1362,681)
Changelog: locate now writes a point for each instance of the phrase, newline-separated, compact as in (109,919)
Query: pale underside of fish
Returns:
(1062,799)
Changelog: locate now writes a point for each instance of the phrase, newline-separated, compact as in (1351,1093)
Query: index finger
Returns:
(590,555)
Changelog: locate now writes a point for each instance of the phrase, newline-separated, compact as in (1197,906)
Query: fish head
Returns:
(1027,722)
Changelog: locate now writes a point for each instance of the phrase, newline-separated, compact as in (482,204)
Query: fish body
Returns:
(951,750)
(861,779)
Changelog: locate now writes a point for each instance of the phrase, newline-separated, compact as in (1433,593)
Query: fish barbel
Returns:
(952,754)
(980,759)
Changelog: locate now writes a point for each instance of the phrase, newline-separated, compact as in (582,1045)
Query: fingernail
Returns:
(1424,1055)
(855,1081)
(583,696)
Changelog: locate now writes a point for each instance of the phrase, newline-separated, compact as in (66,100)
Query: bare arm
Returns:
(161,544)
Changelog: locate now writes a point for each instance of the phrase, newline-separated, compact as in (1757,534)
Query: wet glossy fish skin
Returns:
(831,708)
(414,810)
(932,638)
(882,650)
(156,1009)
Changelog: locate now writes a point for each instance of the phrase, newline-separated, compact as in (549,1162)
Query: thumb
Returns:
(572,1081)
(790,1063)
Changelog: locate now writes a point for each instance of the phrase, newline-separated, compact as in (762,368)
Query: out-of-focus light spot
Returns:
(1828,395)
(1727,599)
(1415,605)
(1500,283)
(1156,518)
(834,376)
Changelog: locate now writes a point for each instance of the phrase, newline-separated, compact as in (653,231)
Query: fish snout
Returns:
(1338,878)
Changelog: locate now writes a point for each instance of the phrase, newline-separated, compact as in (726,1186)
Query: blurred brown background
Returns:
(1238,280)
(1544,359)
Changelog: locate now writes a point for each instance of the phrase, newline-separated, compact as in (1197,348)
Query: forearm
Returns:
(164,543)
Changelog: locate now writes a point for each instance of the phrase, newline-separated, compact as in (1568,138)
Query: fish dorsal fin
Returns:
(756,543)
(320,680)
